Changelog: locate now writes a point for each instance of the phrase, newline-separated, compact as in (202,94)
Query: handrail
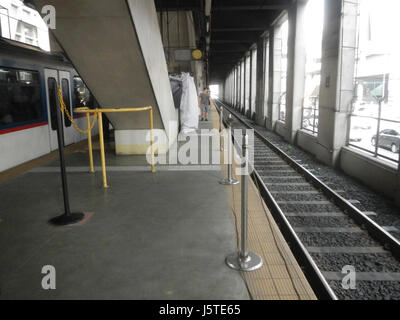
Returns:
(98,112)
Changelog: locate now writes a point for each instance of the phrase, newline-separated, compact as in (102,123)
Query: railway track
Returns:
(326,232)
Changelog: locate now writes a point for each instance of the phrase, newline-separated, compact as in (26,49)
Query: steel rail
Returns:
(389,242)
(376,231)
(317,281)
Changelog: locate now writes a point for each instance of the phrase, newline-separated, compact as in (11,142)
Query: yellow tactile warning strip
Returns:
(13,172)
(280,278)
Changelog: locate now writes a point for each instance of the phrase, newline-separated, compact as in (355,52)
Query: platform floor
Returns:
(149,236)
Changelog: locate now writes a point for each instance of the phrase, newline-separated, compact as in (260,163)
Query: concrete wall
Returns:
(307,141)
(295,70)
(379,175)
(145,20)
(118,57)
(261,68)
(178,32)
(337,74)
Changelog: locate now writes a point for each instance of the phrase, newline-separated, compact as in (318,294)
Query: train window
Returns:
(67,101)
(83,97)
(20,97)
(52,84)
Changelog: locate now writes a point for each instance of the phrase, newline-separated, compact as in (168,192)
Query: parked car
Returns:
(388,139)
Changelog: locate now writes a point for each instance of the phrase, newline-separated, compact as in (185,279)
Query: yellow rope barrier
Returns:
(64,110)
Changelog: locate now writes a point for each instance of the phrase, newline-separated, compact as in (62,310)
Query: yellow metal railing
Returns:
(99,114)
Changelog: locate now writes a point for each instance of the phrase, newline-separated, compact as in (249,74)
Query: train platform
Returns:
(162,235)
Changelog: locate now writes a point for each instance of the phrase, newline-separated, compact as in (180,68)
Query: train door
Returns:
(64,81)
(53,78)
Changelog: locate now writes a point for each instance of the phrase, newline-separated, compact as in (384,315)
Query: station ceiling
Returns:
(235,26)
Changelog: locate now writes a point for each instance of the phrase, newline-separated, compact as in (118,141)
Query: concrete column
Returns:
(250,107)
(260,82)
(337,75)
(274,77)
(295,69)
(239,101)
(244,86)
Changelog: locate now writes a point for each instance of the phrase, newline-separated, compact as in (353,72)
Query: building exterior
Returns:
(21,23)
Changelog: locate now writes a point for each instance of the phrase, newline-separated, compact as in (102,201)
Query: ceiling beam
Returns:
(180,8)
(238,29)
(250,8)
(233,41)
(227,51)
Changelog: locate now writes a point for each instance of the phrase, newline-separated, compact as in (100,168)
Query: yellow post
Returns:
(103,157)
(152,140)
(90,143)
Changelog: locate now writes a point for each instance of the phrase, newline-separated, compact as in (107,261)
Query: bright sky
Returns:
(314,27)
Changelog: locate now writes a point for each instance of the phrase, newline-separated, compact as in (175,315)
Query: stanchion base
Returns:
(227,182)
(253,262)
(64,219)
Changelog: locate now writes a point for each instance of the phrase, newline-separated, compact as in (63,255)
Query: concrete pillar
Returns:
(295,69)
(250,106)
(337,75)
(239,101)
(260,91)
(243,86)
(274,77)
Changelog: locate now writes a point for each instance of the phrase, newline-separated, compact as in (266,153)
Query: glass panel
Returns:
(310,116)
(362,133)
(377,82)
(83,97)
(67,101)
(52,84)
(389,140)
(282,107)
(20,97)
(314,17)
(284,31)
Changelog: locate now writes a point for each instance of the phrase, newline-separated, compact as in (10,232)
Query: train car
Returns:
(28,93)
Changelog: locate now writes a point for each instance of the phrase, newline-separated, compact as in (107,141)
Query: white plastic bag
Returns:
(189,107)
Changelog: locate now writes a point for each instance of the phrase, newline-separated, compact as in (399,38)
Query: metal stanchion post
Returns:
(244,260)
(229,180)
(102,152)
(90,143)
(67,217)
